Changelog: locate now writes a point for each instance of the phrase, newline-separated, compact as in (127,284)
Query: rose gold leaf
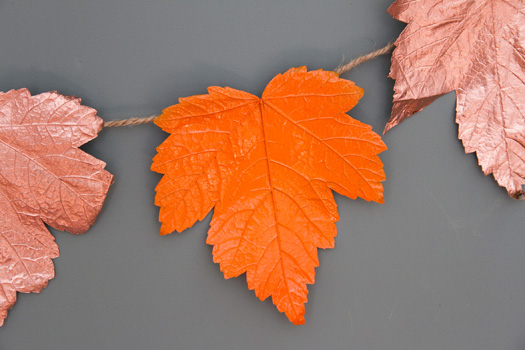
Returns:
(43,177)
(474,47)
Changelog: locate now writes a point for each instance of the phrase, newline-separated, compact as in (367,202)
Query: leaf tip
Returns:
(164,230)
(298,321)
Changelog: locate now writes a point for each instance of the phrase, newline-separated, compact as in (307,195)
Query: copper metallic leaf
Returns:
(44,177)
(475,47)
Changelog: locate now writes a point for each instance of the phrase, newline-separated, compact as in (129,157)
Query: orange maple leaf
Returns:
(267,165)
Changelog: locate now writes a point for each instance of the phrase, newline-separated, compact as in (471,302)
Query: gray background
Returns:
(439,266)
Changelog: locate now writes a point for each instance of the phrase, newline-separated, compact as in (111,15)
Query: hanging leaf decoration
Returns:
(475,47)
(268,166)
(44,177)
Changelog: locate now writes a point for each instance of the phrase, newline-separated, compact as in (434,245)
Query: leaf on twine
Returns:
(268,165)
(44,177)
(474,47)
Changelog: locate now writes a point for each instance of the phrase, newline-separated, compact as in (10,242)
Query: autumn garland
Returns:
(68,186)
(237,153)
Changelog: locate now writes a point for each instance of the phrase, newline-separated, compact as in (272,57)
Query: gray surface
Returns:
(439,266)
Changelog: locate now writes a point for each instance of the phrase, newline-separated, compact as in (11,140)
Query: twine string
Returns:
(361,59)
(129,122)
(339,70)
